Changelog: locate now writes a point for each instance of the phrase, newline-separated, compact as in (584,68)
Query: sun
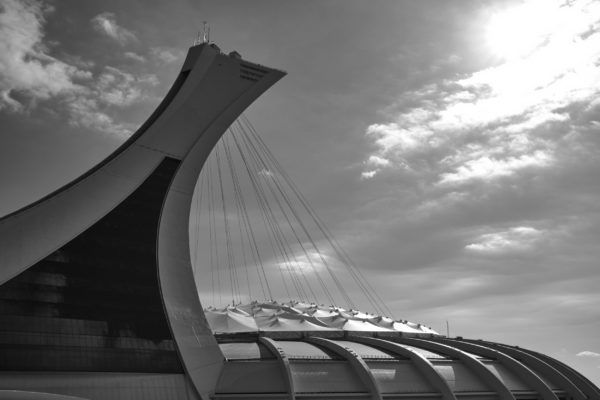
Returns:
(517,32)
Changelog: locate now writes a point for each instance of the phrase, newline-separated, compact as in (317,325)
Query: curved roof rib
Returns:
(469,360)
(587,387)
(529,376)
(359,365)
(282,357)
(421,363)
(543,367)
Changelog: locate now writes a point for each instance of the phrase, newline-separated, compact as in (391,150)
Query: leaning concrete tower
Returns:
(98,298)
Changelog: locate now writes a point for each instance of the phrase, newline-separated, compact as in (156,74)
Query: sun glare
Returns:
(516,32)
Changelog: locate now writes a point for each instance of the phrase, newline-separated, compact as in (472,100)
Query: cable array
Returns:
(254,229)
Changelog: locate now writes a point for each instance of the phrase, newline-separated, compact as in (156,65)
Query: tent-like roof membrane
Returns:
(298,317)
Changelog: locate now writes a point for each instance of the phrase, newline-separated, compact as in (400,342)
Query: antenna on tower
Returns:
(205,32)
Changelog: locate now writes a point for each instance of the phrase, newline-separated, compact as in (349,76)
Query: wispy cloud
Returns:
(378,161)
(514,239)
(106,23)
(587,353)
(134,56)
(368,174)
(119,88)
(165,55)
(489,168)
(85,112)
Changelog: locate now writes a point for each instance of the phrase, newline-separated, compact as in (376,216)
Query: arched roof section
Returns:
(370,366)
(475,365)
(541,367)
(587,387)
(421,362)
(522,371)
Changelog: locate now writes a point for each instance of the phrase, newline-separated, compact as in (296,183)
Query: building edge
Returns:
(196,344)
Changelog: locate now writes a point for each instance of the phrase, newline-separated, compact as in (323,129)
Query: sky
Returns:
(453,148)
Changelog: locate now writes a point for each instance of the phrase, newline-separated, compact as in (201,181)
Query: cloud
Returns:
(134,56)
(490,165)
(504,120)
(106,23)
(117,88)
(165,55)
(514,239)
(85,112)
(26,68)
(30,75)
(487,168)
(309,262)
(368,174)
(378,161)
(112,88)
(588,354)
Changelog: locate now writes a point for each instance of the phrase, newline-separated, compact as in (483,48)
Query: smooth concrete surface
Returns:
(198,348)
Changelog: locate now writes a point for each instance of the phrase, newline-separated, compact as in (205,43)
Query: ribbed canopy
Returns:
(296,316)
